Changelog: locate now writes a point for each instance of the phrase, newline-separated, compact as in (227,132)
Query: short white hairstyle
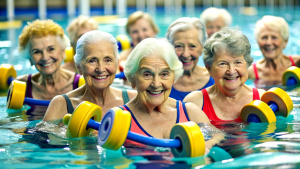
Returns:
(212,13)
(150,47)
(277,24)
(187,23)
(92,37)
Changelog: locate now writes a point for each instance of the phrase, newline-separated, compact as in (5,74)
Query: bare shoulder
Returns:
(56,109)
(196,114)
(131,93)
(195,97)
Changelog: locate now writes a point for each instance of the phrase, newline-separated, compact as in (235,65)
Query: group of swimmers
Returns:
(169,85)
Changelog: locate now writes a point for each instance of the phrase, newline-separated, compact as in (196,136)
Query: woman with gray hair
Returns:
(44,42)
(214,19)
(188,37)
(152,68)
(272,35)
(226,57)
(96,59)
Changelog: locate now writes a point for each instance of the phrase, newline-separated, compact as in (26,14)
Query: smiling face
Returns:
(46,54)
(214,26)
(140,30)
(229,72)
(153,80)
(99,65)
(271,43)
(188,48)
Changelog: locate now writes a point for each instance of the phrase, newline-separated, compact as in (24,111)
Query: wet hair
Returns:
(153,47)
(184,24)
(212,13)
(277,24)
(138,15)
(93,37)
(230,40)
(41,28)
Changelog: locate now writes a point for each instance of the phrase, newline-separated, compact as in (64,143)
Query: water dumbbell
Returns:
(274,102)
(122,41)
(291,76)
(186,138)
(7,75)
(16,96)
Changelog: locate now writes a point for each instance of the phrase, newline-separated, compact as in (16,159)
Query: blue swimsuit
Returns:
(179,95)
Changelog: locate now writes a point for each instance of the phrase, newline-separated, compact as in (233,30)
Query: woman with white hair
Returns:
(44,42)
(226,57)
(96,59)
(188,37)
(214,19)
(152,68)
(272,35)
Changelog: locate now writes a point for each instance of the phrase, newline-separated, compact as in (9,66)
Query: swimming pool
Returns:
(252,145)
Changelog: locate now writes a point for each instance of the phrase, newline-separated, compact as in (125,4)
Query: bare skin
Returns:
(107,99)
(189,49)
(46,55)
(98,68)
(229,94)
(47,87)
(271,68)
(152,107)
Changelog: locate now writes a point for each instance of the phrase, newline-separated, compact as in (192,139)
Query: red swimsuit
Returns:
(210,112)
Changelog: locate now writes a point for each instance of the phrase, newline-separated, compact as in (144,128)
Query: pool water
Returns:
(254,145)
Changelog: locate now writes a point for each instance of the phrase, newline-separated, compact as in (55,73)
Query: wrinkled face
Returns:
(79,33)
(270,43)
(141,30)
(229,72)
(153,80)
(188,48)
(46,54)
(214,26)
(99,65)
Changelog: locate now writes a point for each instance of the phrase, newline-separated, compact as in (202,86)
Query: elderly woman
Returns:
(75,30)
(226,57)
(139,26)
(44,42)
(96,59)
(214,19)
(272,35)
(152,68)
(188,37)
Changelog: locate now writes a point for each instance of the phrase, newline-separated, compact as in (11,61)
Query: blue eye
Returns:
(108,60)
(92,60)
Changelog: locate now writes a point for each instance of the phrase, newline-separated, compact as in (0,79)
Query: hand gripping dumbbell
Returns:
(7,75)
(274,102)
(291,76)
(16,96)
(186,138)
